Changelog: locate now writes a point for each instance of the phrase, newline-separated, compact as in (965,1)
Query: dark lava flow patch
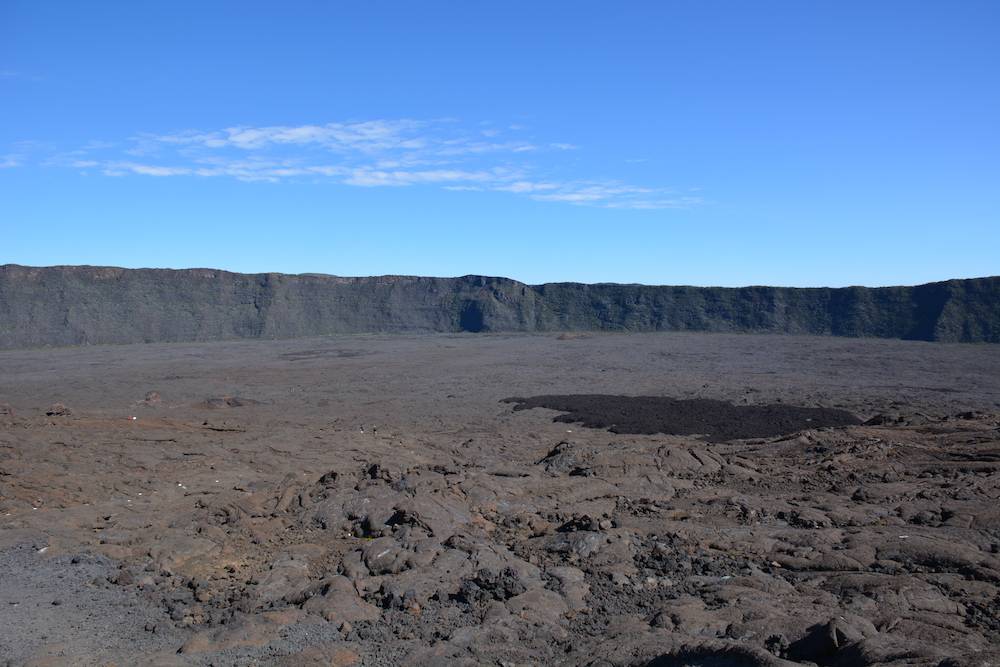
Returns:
(717,421)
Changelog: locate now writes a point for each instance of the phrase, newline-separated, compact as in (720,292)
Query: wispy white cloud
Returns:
(120,168)
(656,204)
(441,153)
(592,192)
(14,75)
(524,187)
(21,153)
(365,136)
(464,188)
(374,177)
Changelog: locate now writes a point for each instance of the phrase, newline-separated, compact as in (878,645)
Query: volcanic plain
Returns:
(466,499)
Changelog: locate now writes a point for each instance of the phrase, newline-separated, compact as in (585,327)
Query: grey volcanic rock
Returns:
(73,305)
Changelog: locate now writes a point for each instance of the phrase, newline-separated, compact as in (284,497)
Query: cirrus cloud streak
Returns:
(374,153)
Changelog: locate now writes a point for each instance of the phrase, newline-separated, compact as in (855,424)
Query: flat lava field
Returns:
(377,500)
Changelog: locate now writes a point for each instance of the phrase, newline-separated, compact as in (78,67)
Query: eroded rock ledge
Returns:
(74,305)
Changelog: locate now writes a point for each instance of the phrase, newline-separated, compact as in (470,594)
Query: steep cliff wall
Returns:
(70,305)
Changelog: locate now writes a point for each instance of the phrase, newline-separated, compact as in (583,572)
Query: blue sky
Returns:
(667,142)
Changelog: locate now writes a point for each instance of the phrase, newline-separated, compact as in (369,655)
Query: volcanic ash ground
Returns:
(661,499)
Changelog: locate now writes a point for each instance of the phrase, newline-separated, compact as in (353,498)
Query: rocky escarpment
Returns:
(71,305)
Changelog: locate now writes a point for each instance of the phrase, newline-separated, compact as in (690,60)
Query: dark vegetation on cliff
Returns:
(71,305)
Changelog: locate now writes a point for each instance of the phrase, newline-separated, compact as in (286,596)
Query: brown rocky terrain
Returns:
(372,500)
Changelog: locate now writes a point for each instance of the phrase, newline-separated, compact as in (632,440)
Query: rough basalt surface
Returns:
(79,305)
(371,501)
(714,420)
